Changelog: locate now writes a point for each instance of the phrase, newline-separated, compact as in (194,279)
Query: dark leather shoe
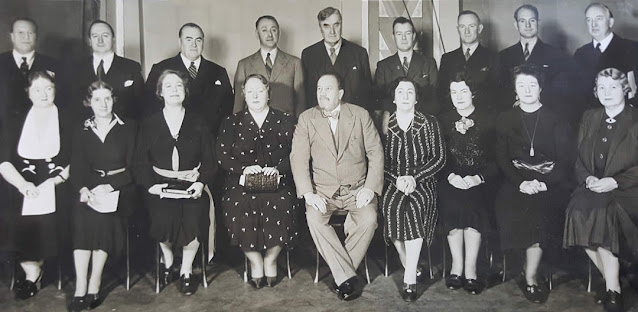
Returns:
(453,282)
(78,304)
(420,275)
(533,293)
(167,275)
(614,301)
(347,290)
(473,286)
(601,296)
(271,281)
(94,300)
(25,290)
(409,292)
(187,285)
(257,283)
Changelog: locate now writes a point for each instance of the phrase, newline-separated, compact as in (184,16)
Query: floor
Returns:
(228,292)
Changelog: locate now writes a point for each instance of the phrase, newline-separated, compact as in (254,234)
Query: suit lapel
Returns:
(395,65)
(415,66)
(344,129)
(281,61)
(624,123)
(322,127)
(258,65)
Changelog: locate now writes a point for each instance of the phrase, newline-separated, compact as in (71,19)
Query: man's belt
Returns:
(108,173)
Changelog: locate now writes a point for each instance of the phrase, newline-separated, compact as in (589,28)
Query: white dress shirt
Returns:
(17,56)
(108,61)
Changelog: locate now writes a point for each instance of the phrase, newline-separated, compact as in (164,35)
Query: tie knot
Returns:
(24,58)
(268,55)
(598,46)
(192,63)
(527,45)
(332,50)
(467,51)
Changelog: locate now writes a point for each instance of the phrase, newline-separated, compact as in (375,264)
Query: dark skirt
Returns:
(178,221)
(461,209)
(409,217)
(262,220)
(38,237)
(524,220)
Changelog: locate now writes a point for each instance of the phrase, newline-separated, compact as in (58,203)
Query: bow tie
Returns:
(334,114)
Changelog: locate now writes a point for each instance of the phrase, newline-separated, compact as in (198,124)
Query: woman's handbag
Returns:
(261,183)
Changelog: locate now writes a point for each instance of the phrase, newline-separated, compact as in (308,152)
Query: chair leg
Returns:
(504,267)
(59,274)
(317,269)
(430,263)
(589,276)
(128,260)
(12,273)
(288,263)
(157,268)
(245,269)
(550,276)
(386,273)
(204,263)
(444,256)
(365,262)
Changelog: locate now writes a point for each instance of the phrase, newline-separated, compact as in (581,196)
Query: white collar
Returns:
(187,62)
(108,61)
(472,47)
(405,54)
(264,54)
(90,124)
(40,141)
(17,56)
(532,43)
(604,43)
(336,46)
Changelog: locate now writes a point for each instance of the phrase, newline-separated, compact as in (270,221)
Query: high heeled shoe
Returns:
(453,281)
(409,292)
(614,301)
(167,275)
(257,283)
(26,289)
(533,293)
(187,285)
(78,304)
(473,286)
(94,300)
(271,281)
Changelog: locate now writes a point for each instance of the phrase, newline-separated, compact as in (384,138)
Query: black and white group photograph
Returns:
(319,155)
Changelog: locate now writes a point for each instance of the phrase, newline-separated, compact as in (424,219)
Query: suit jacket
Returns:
(317,164)
(125,76)
(422,71)
(482,67)
(287,92)
(210,93)
(13,83)
(620,54)
(352,64)
(558,91)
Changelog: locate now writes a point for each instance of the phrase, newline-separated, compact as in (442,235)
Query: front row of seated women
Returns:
(448,167)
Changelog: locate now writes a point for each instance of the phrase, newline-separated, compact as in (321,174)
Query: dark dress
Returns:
(257,221)
(36,237)
(471,153)
(608,220)
(523,219)
(418,152)
(93,230)
(178,221)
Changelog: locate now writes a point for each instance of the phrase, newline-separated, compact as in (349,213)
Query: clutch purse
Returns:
(261,183)
(178,187)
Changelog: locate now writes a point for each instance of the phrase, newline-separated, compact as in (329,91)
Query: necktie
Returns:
(467,54)
(24,67)
(100,70)
(192,70)
(406,66)
(598,50)
(268,64)
(526,51)
(333,56)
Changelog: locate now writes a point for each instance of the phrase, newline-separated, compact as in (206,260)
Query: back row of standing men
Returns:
(293,81)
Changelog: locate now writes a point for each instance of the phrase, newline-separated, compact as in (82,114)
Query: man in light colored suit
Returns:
(284,71)
(337,164)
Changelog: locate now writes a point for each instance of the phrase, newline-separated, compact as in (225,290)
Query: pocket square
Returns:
(545,66)
(484,69)
(424,76)
(218,83)
(51,73)
(128,83)
(354,67)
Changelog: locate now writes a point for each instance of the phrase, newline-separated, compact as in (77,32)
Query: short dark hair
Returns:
(44,74)
(190,25)
(529,69)
(402,20)
(24,19)
(270,17)
(101,22)
(160,80)
(528,7)
(327,12)
(336,75)
(614,74)
(395,83)
(464,76)
(599,5)
(468,12)
(97,85)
